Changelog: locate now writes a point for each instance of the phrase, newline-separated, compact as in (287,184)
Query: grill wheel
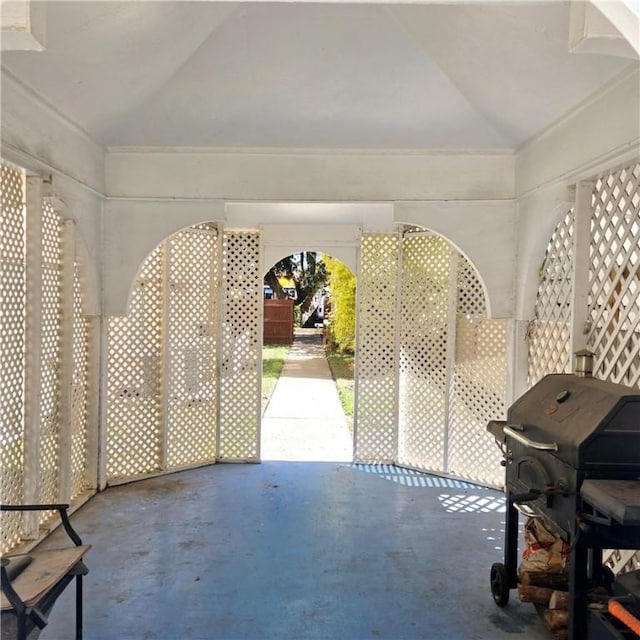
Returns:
(499,584)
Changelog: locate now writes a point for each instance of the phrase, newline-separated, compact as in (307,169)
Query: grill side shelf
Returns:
(617,500)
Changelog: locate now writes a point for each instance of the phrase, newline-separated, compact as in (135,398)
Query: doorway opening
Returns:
(308,359)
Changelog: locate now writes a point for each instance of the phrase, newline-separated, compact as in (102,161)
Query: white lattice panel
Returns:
(79,392)
(376,392)
(426,266)
(240,371)
(36,418)
(50,355)
(477,396)
(192,335)
(549,333)
(614,293)
(12,345)
(614,277)
(134,410)
(471,301)
(621,560)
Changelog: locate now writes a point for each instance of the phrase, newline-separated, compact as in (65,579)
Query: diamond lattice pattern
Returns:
(377,405)
(614,277)
(33,265)
(424,312)
(50,349)
(426,404)
(134,403)
(478,390)
(12,347)
(241,365)
(164,392)
(192,337)
(80,390)
(549,333)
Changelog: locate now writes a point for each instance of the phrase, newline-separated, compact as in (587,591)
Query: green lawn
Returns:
(273,357)
(342,366)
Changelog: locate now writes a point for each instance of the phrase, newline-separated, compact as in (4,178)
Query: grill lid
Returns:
(595,424)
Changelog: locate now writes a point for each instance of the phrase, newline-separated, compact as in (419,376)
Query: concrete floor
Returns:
(294,550)
(285,550)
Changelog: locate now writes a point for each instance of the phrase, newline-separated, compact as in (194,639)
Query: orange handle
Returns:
(624,615)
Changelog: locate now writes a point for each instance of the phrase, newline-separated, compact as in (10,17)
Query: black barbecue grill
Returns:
(571,448)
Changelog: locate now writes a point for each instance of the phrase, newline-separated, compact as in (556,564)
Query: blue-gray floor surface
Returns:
(293,551)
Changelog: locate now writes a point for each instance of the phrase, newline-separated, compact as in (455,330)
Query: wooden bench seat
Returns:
(27,599)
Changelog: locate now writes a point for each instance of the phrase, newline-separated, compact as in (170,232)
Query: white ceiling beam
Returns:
(22,25)
(610,28)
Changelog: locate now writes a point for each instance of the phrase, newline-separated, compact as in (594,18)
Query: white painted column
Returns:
(517,359)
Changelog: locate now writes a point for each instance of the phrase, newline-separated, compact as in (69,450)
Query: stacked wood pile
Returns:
(551,592)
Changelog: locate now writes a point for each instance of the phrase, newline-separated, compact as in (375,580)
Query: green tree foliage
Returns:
(307,271)
(342,285)
(282,268)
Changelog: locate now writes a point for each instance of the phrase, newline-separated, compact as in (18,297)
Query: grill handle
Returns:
(522,439)
(526,510)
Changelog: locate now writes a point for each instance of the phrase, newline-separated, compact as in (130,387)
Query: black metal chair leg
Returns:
(79,607)
(22,626)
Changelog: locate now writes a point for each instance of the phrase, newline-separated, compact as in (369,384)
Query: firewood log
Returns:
(556,619)
(537,595)
(557,581)
(559,600)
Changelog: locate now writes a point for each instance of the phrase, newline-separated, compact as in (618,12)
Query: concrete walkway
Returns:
(304,420)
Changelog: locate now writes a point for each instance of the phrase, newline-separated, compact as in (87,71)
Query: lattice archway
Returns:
(612,285)
(611,289)
(183,365)
(549,333)
(431,366)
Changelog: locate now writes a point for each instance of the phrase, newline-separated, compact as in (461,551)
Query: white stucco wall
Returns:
(537,217)
(308,176)
(600,133)
(45,143)
(132,229)
(126,201)
(338,241)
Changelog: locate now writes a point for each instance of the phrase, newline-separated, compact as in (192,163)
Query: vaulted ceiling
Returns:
(448,76)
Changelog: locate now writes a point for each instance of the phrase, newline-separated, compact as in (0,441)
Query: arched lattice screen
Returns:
(184,364)
(613,296)
(48,354)
(549,333)
(431,366)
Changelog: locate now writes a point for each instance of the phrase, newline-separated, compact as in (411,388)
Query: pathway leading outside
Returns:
(304,420)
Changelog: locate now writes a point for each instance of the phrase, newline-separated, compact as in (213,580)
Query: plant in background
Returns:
(342,319)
